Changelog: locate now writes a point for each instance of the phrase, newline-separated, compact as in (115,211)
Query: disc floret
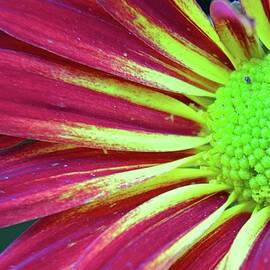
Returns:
(239,124)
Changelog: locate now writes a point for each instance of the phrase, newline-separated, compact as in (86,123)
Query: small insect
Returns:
(247,79)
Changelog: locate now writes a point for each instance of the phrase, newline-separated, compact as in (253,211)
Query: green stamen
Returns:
(239,124)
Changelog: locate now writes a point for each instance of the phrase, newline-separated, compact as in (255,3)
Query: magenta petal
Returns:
(168,15)
(8,141)
(236,31)
(208,252)
(57,241)
(259,255)
(138,245)
(88,38)
(166,27)
(41,179)
(38,103)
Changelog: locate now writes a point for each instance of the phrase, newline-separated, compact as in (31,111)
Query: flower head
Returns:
(146,129)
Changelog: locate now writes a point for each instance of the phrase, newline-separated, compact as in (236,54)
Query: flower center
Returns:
(239,123)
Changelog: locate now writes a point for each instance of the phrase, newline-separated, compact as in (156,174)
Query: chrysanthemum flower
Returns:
(147,128)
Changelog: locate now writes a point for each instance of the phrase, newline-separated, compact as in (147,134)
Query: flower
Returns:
(149,130)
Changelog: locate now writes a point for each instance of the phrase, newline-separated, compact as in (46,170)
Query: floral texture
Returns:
(136,132)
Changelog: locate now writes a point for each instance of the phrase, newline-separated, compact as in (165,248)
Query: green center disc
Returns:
(239,124)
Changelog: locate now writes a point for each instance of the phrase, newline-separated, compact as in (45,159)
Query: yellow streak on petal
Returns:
(192,10)
(163,81)
(117,139)
(179,49)
(246,238)
(170,255)
(140,178)
(137,94)
(254,9)
(246,207)
(242,48)
(149,209)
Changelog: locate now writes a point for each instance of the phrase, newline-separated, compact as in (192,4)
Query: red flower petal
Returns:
(236,31)
(167,27)
(135,239)
(210,250)
(8,42)
(41,179)
(250,248)
(259,256)
(93,41)
(88,7)
(7,141)
(56,242)
(266,7)
(41,100)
